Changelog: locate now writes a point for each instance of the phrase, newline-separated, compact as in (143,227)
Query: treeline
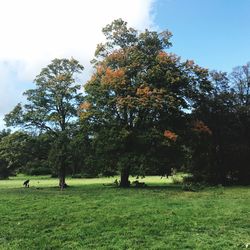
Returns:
(143,112)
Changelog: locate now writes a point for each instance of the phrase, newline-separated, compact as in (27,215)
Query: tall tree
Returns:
(52,106)
(135,100)
(240,78)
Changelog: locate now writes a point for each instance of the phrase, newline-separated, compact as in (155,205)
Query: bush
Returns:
(4,170)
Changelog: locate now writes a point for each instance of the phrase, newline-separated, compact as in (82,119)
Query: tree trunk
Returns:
(62,174)
(62,168)
(125,178)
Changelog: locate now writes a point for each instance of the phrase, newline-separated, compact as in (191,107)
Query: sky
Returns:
(213,33)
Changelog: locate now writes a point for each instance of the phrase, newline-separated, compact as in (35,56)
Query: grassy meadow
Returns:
(89,215)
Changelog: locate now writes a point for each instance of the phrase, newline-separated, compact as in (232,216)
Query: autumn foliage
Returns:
(113,77)
(165,58)
(200,127)
(170,135)
(85,106)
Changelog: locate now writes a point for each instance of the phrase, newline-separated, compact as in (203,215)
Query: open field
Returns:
(89,215)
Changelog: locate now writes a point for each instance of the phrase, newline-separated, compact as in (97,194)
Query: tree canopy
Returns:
(136,98)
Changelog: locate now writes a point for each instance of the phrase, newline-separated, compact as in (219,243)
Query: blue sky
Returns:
(213,33)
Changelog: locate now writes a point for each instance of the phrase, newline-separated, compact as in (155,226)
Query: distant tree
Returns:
(5,171)
(15,151)
(22,152)
(81,153)
(52,106)
(240,78)
(135,101)
(40,146)
(220,146)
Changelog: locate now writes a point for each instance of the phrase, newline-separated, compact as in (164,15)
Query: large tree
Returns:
(135,101)
(52,106)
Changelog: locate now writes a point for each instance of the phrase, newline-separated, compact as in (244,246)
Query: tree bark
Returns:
(62,175)
(125,178)
(62,168)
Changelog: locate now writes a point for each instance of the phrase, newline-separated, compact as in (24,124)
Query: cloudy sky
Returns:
(215,33)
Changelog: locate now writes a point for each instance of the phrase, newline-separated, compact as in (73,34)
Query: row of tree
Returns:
(144,111)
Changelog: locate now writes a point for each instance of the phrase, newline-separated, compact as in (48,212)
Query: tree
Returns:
(4,169)
(81,156)
(220,143)
(15,152)
(240,78)
(135,101)
(52,106)
(40,146)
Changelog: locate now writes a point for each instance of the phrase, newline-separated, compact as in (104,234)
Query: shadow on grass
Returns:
(99,186)
(91,186)
(165,187)
(168,187)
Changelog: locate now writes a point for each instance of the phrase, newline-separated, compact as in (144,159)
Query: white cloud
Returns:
(35,31)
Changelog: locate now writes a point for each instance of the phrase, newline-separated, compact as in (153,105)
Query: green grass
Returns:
(89,215)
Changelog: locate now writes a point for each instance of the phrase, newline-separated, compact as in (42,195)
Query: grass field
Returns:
(89,215)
